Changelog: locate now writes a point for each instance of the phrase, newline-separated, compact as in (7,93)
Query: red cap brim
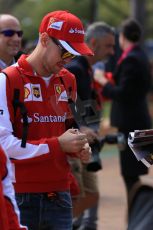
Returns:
(77,48)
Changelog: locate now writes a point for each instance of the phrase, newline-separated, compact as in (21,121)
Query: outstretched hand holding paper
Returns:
(141,143)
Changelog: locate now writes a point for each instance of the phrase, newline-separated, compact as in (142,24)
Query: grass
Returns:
(109,151)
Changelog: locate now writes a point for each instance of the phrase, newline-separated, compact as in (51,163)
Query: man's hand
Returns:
(100,78)
(85,154)
(91,134)
(72,141)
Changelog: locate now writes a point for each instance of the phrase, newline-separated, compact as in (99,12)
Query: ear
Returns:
(44,39)
(93,44)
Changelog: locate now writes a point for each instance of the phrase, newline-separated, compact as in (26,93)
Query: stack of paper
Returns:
(141,143)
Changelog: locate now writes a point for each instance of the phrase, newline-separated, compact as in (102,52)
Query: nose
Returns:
(16,37)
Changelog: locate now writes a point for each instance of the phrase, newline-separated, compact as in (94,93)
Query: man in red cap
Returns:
(40,87)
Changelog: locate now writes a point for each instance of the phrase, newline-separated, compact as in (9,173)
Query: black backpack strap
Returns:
(18,104)
(78,119)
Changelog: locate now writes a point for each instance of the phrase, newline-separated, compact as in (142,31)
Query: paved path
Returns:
(112,208)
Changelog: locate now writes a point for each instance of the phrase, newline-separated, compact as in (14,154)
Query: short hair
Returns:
(98,30)
(131,30)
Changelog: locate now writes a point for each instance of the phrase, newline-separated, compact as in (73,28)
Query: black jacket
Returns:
(80,67)
(129,104)
(132,83)
(91,113)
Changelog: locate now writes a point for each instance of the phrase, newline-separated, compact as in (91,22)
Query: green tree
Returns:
(30,12)
(7,6)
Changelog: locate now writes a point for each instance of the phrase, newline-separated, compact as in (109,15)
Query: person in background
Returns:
(10,39)
(100,38)
(129,110)
(41,169)
(10,43)
(9,213)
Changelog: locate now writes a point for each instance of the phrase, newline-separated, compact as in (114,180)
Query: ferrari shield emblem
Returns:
(60,93)
(58,89)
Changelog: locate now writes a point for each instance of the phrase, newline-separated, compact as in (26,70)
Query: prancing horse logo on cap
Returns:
(51,21)
(53,24)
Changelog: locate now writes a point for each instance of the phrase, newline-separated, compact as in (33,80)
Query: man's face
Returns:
(121,41)
(54,57)
(104,48)
(9,44)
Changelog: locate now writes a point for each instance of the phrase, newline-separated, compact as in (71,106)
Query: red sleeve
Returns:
(4,224)
(54,147)
(57,148)
(12,217)
(8,216)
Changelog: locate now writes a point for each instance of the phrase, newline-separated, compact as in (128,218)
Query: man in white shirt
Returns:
(10,39)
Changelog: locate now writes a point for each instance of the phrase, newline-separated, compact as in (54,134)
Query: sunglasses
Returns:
(10,33)
(65,53)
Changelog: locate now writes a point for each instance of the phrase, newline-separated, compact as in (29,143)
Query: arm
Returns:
(12,211)
(131,83)
(33,149)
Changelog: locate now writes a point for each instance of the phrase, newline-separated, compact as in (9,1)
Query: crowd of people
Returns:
(50,110)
